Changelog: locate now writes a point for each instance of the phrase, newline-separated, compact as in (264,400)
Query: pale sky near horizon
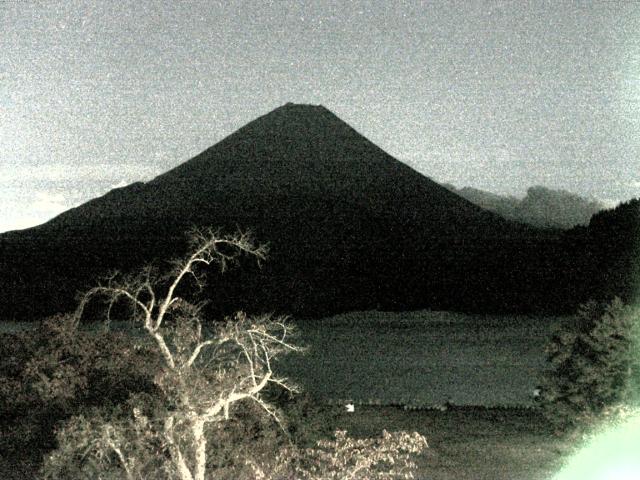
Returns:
(495,95)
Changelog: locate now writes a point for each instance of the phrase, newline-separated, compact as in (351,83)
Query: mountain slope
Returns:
(299,152)
(349,227)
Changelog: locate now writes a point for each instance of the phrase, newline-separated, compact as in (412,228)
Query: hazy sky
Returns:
(495,95)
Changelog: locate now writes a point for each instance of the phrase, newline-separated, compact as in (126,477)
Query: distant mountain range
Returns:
(349,228)
(541,207)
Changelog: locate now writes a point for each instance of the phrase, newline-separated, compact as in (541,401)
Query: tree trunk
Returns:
(181,466)
(200,442)
(183,470)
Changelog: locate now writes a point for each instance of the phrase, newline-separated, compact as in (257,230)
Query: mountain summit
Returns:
(295,158)
(349,227)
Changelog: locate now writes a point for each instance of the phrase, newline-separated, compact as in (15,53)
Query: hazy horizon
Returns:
(499,97)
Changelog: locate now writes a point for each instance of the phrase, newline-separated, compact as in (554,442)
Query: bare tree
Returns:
(201,372)
(205,369)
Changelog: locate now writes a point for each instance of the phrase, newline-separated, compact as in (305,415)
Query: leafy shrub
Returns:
(595,365)
(250,437)
(55,370)
(305,420)
(93,445)
(384,458)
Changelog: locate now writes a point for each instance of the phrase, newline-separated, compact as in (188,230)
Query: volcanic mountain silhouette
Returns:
(300,166)
(349,227)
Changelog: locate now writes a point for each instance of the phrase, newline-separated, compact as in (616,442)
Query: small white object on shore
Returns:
(350,407)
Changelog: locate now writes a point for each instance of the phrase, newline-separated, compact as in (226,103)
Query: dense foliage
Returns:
(595,365)
(56,369)
(388,457)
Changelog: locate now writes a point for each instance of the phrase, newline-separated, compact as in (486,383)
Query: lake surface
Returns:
(423,359)
(418,359)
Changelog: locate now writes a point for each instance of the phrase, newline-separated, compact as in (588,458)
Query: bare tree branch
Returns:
(241,349)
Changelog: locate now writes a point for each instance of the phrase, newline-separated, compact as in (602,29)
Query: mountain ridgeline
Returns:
(541,207)
(348,227)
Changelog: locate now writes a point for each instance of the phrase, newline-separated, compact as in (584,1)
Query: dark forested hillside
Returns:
(349,227)
(614,240)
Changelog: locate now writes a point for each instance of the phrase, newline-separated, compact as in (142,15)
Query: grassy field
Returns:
(422,359)
(470,443)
